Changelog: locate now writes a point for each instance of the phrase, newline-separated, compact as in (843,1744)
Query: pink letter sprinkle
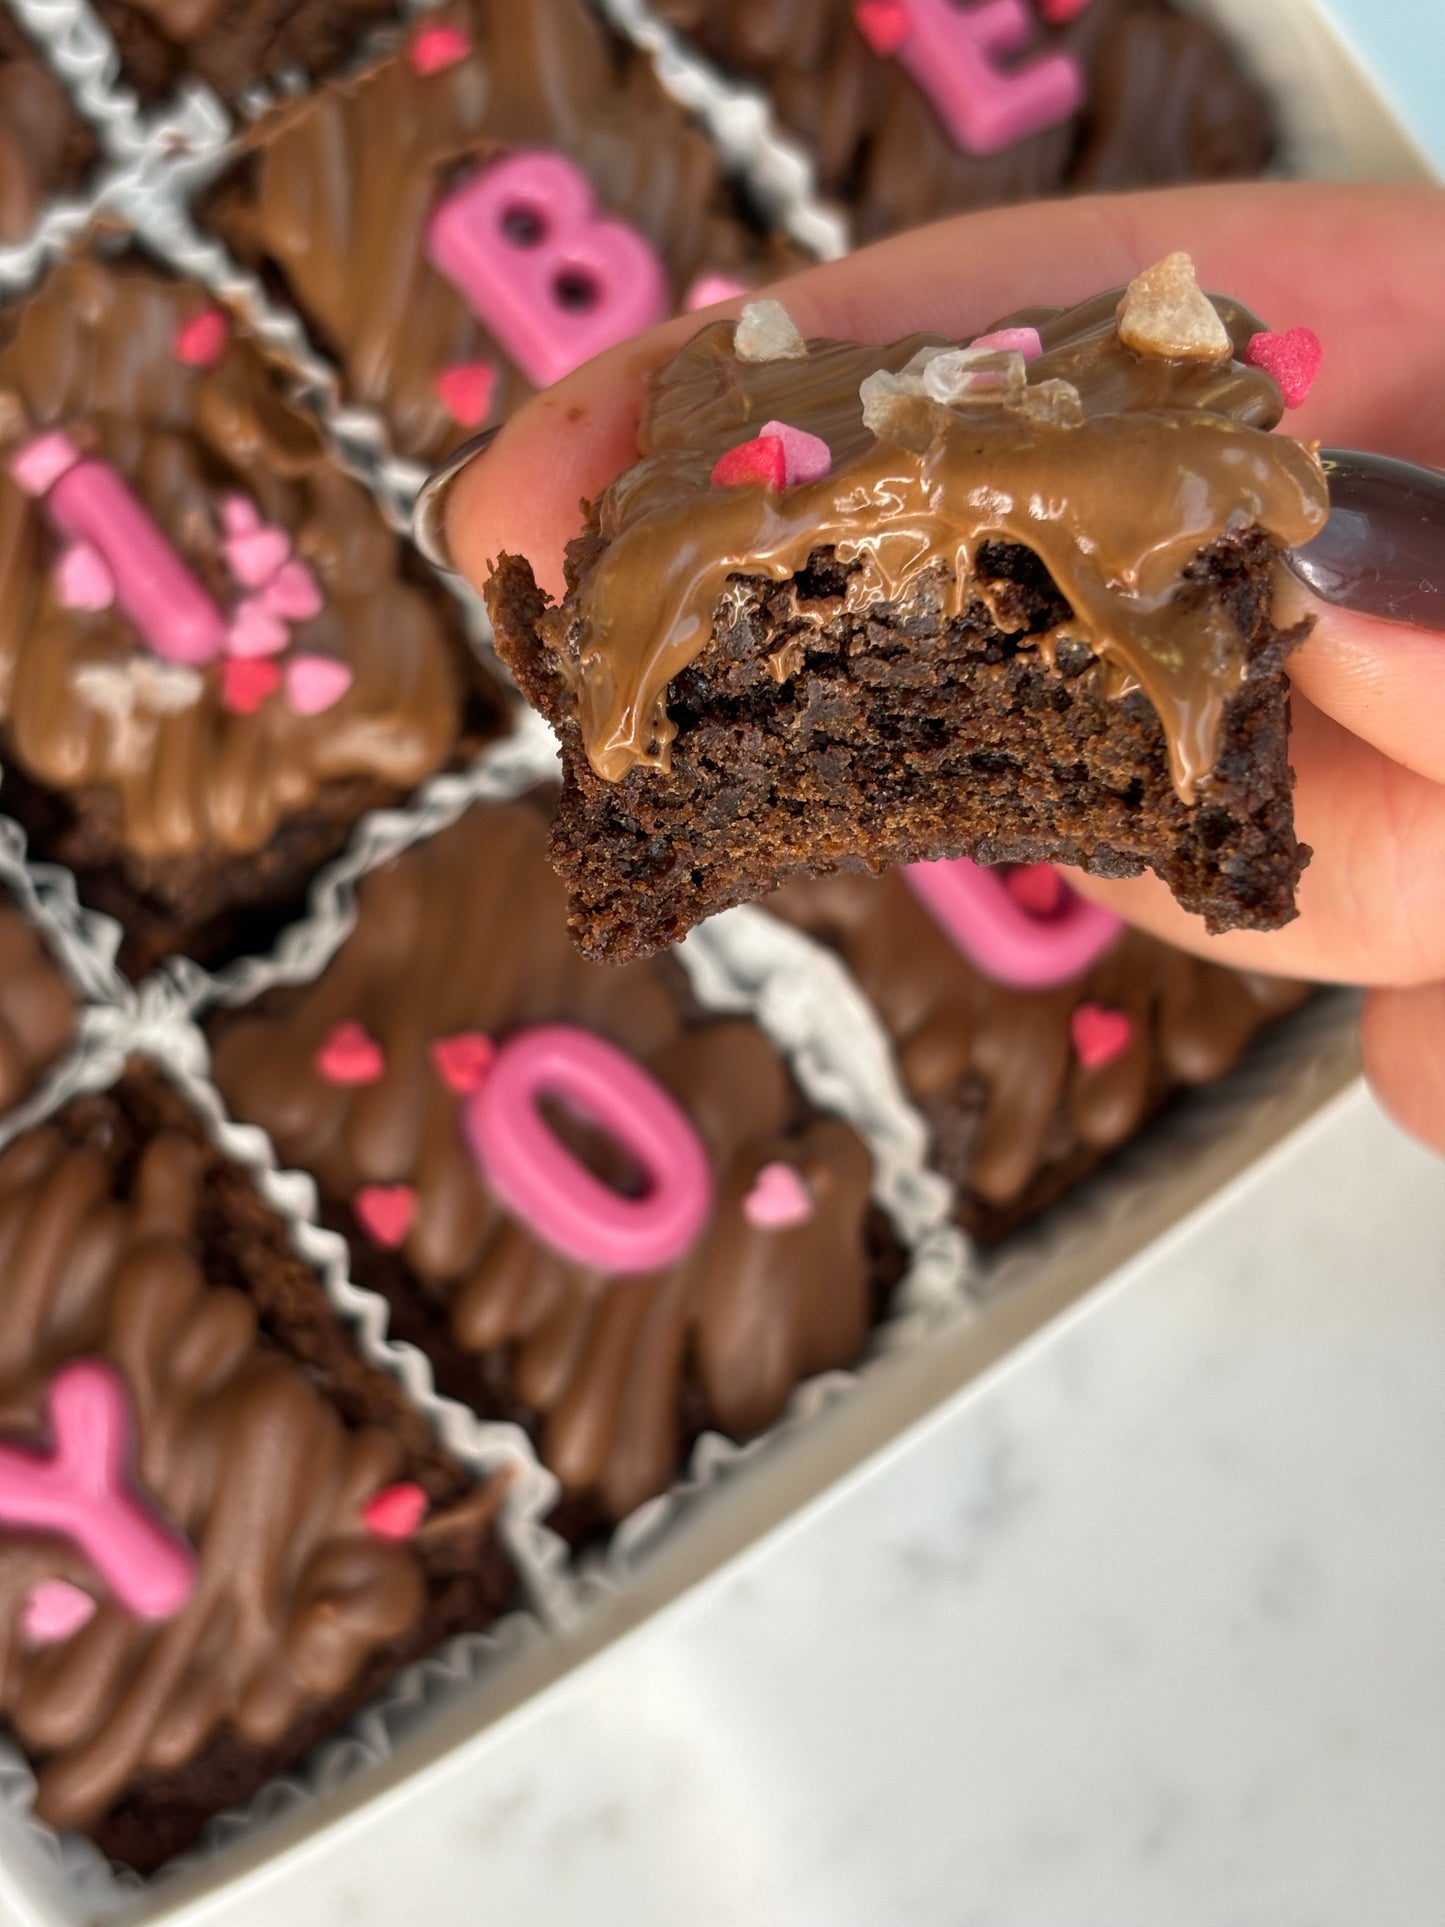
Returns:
(81,1491)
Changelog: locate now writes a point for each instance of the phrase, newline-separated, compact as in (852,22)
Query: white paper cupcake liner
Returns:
(84,57)
(150,1030)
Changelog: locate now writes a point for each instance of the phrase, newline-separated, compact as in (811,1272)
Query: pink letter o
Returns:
(557,1197)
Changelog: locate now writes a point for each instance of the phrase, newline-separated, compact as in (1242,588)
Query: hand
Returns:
(1365,268)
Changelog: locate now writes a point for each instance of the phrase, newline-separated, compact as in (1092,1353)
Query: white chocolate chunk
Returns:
(1165,313)
(766,332)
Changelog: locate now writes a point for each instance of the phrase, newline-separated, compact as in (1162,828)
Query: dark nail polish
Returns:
(1382,552)
(428,516)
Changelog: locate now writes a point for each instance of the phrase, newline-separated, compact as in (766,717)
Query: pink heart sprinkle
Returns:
(385,1212)
(465,390)
(884,24)
(779,1198)
(1059,13)
(437,47)
(83,579)
(806,458)
(292,594)
(240,515)
(254,631)
(1037,888)
(39,465)
(315,683)
(1100,1034)
(201,341)
(254,558)
(396,1511)
(1019,341)
(462,1060)
(1293,359)
(709,288)
(246,682)
(760,460)
(349,1054)
(54,1610)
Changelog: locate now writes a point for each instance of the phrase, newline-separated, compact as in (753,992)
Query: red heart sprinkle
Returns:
(246,682)
(463,1060)
(437,47)
(884,24)
(201,341)
(1059,13)
(761,460)
(396,1511)
(386,1212)
(350,1055)
(465,391)
(1100,1034)
(1037,888)
(1293,359)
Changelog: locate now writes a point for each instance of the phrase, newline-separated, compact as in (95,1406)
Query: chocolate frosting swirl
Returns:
(333,192)
(469,932)
(233,44)
(235,1446)
(1165,103)
(37,1008)
(1171,455)
(44,146)
(92,353)
(993,1066)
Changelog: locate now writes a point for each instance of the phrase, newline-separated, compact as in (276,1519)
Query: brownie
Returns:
(378,1080)
(1036,1034)
(216,654)
(234,45)
(256,1585)
(333,198)
(1141,96)
(37,1008)
(860,606)
(46,149)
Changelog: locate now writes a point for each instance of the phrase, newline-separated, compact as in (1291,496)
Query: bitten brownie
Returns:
(1035,1032)
(913,109)
(215,654)
(860,606)
(45,147)
(596,1209)
(263,1531)
(465,220)
(233,44)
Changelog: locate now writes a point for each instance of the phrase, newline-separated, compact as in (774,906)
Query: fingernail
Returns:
(1382,551)
(429,514)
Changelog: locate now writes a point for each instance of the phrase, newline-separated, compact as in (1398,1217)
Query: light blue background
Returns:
(1403,44)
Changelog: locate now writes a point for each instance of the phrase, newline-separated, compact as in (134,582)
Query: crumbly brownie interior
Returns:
(806,732)
(467,1576)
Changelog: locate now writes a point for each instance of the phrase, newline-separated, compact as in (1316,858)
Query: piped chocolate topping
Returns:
(1159,458)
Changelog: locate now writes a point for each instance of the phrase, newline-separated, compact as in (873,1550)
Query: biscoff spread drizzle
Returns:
(1169,456)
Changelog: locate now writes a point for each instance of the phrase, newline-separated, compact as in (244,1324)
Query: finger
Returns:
(1372,906)
(1382,681)
(1403,1036)
(1277,246)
